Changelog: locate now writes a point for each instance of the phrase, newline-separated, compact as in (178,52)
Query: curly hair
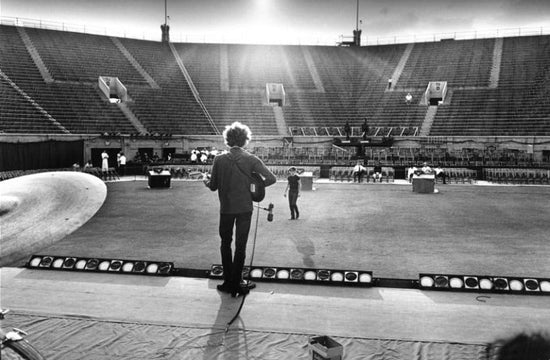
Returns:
(237,134)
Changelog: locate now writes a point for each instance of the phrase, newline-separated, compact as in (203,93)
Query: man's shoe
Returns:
(239,291)
(225,287)
(248,284)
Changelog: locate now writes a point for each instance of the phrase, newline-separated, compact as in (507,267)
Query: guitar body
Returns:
(257,187)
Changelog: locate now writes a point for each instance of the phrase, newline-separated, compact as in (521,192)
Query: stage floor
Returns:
(74,315)
(384,228)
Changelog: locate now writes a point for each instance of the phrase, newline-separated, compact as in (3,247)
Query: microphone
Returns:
(270,212)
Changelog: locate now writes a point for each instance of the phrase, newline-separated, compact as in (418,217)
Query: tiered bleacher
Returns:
(171,108)
(77,104)
(325,86)
(496,87)
(519,106)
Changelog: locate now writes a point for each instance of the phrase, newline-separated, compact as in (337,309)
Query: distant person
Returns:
(377,174)
(365,129)
(88,164)
(440,173)
(204,157)
(408,98)
(293,187)
(389,83)
(410,173)
(194,156)
(230,176)
(122,164)
(104,161)
(347,130)
(358,172)
(426,169)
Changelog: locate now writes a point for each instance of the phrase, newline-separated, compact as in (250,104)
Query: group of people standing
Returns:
(120,161)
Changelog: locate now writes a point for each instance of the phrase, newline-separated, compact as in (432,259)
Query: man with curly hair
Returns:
(231,173)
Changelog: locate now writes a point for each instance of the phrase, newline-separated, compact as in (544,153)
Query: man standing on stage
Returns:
(231,174)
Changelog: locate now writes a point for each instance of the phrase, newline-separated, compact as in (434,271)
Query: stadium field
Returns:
(385,228)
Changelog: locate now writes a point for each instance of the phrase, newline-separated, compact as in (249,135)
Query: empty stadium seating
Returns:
(325,86)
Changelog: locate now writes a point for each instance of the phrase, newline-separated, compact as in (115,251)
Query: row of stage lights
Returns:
(498,284)
(301,275)
(100,265)
(444,282)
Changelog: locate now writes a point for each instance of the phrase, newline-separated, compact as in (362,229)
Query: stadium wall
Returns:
(183,144)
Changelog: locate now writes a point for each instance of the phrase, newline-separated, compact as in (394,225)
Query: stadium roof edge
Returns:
(365,40)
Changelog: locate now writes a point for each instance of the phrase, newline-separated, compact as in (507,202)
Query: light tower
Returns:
(357,31)
(165,28)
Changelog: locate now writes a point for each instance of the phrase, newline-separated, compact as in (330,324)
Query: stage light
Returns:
(485,284)
(501,284)
(456,282)
(35,261)
(283,274)
(256,273)
(496,284)
(337,276)
(471,282)
(139,267)
(104,265)
(351,276)
(365,278)
(296,274)
(46,261)
(92,264)
(516,285)
(441,281)
(269,273)
(128,267)
(115,265)
(80,264)
(58,263)
(310,275)
(69,263)
(426,281)
(323,275)
(100,265)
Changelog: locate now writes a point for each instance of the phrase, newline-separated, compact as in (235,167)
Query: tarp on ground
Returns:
(84,338)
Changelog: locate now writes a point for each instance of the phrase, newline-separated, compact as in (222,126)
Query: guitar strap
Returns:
(239,168)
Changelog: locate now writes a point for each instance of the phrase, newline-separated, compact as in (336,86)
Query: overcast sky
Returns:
(286,21)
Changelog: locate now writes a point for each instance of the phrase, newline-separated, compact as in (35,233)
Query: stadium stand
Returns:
(496,87)
(77,106)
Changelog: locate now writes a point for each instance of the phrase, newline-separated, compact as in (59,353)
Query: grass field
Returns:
(465,229)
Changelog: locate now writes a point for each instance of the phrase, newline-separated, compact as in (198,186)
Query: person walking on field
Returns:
(293,187)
